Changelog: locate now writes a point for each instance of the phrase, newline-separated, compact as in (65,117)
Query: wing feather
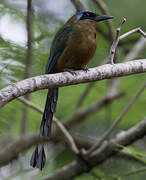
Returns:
(58,45)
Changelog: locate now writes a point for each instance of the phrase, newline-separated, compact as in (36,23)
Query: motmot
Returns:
(73,47)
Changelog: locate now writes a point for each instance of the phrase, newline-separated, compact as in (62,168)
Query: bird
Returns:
(73,46)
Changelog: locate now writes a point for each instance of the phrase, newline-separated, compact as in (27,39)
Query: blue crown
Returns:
(79,14)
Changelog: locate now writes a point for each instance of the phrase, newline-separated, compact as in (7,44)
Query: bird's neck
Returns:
(83,29)
(88,23)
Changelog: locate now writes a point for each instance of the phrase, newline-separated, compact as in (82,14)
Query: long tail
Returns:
(50,107)
(38,159)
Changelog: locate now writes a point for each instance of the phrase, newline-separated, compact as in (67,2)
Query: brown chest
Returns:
(80,48)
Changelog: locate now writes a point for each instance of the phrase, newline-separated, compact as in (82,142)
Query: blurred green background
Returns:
(48,17)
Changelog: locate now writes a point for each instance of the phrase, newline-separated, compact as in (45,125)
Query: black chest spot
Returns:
(95,35)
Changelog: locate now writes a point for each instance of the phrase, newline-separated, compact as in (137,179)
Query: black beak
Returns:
(102,17)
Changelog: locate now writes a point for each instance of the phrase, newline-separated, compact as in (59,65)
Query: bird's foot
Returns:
(84,69)
(72,71)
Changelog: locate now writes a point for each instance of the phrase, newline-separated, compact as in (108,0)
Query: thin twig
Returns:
(135,51)
(110,130)
(136,171)
(130,157)
(84,94)
(138,30)
(69,139)
(118,38)
(115,43)
(29,104)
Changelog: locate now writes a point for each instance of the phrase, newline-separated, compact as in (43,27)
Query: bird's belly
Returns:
(77,56)
(80,56)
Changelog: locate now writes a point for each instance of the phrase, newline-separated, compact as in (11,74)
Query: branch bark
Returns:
(115,42)
(64,79)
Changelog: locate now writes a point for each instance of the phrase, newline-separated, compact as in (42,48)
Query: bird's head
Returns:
(90,16)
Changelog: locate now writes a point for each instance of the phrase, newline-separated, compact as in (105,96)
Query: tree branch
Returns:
(28,64)
(67,136)
(19,146)
(16,147)
(134,53)
(69,139)
(80,115)
(64,79)
(28,70)
(84,95)
(138,30)
(107,149)
(125,138)
(79,139)
(115,42)
(118,38)
(82,141)
(12,150)
(78,5)
(29,104)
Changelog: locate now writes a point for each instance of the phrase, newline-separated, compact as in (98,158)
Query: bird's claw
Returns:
(70,71)
(84,69)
